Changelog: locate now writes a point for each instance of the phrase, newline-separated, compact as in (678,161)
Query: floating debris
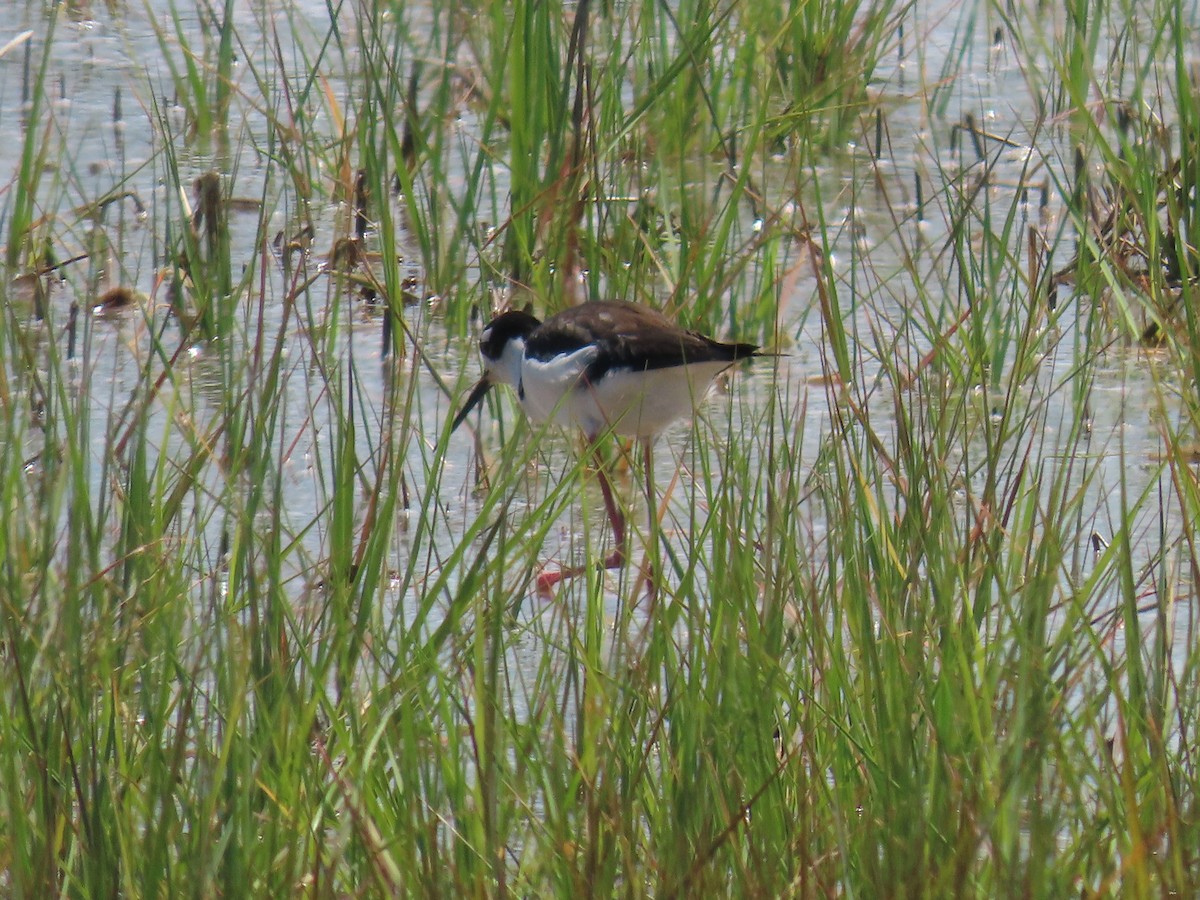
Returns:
(116,299)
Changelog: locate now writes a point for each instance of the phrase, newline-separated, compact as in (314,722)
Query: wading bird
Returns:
(602,366)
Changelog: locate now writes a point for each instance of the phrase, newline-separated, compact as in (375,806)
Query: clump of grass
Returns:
(33,157)
(197,50)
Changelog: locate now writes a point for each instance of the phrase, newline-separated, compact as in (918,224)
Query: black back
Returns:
(629,336)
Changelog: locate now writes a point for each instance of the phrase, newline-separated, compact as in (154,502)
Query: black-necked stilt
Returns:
(602,366)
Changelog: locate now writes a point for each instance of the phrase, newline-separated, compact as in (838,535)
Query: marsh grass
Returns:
(923,617)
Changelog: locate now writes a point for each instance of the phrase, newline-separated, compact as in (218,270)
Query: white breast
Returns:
(633,403)
(546,386)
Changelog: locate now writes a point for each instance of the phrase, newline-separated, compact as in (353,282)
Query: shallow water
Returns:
(102,57)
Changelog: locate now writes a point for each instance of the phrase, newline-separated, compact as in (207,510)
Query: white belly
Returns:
(632,403)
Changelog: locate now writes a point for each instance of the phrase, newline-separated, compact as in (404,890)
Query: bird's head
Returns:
(501,347)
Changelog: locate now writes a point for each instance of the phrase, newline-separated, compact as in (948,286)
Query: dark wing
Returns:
(631,336)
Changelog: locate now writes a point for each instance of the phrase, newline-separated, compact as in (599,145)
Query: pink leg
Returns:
(546,581)
(615,517)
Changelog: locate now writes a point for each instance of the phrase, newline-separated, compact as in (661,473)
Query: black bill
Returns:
(473,400)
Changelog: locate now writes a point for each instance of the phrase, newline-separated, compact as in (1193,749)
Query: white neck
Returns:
(507,369)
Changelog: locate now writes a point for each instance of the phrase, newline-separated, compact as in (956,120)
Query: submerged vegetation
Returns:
(926,621)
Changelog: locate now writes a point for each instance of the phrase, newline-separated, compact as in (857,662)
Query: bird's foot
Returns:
(616,559)
(546,582)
